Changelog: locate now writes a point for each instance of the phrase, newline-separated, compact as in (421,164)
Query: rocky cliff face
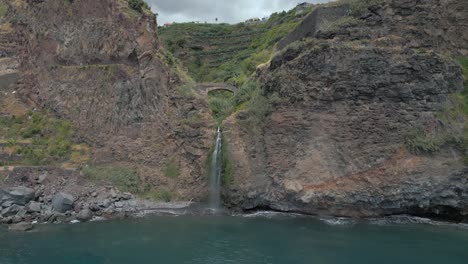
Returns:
(99,64)
(352,98)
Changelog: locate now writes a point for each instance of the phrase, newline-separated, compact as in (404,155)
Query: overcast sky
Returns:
(230,11)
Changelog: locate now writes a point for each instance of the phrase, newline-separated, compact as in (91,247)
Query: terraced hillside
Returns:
(227,53)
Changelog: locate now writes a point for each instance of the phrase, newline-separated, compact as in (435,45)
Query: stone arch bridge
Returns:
(206,88)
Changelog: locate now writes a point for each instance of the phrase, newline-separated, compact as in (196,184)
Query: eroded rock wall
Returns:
(99,64)
(334,142)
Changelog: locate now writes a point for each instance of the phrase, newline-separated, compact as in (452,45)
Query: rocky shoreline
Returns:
(23,206)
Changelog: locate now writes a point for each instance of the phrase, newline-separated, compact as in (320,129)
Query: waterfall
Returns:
(215,174)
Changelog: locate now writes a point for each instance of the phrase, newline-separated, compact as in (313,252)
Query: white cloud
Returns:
(232,11)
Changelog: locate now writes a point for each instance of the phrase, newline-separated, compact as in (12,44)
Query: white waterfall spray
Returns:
(215,174)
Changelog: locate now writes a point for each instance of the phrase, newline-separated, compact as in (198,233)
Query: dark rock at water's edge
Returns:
(62,202)
(63,207)
(17,195)
(85,215)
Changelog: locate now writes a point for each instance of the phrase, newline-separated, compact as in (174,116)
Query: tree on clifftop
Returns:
(138,5)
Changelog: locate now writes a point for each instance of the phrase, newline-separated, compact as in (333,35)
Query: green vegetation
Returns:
(227,168)
(160,195)
(454,117)
(227,53)
(346,21)
(175,66)
(220,103)
(37,138)
(358,6)
(138,5)
(172,169)
(463,99)
(423,141)
(253,101)
(126,179)
(3,9)
(249,98)
(430,139)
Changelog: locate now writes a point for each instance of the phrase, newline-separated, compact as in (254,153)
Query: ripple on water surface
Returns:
(255,238)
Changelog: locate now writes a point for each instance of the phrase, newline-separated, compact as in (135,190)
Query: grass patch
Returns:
(172,169)
(125,179)
(3,9)
(49,139)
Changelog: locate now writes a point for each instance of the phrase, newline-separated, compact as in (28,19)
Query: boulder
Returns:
(104,203)
(84,215)
(16,219)
(62,202)
(7,204)
(22,212)
(113,194)
(3,195)
(57,218)
(23,226)
(21,195)
(6,220)
(33,207)
(126,196)
(11,211)
(41,178)
(94,207)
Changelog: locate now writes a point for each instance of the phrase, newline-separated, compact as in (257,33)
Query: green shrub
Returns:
(58,147)
(245,93)
(186,90)
(259,106)
(126,179)
(138,5)
(220,103)
(33,156)
(418,141)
